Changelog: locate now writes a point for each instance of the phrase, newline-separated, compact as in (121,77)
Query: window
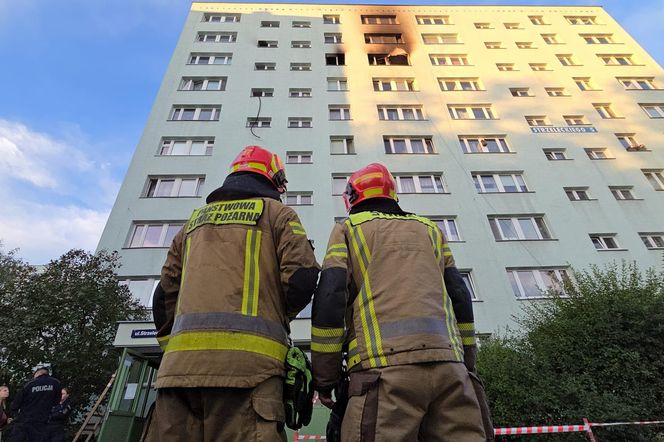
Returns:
(440,39)
(341,145)
(448,226)
(598,39)
(337,84)
(262,92)
(300,44)
(536,283)
(295,157)
(580,19)
(487,182)
(332,37)
(299,122)
(550,39)
(654,110)
(617,59)
(638,83)
(301,24)
(394,113)
(577,193)
(203,84)
(483,25)
(484,143)
(449,59)
(555,154)
(141,289)
(384,59)
(211,58)
(629,142)
(165,187)
(379,20)
(655,178)
(466,275)
(331,19)
(460,84)
(265,66)
(408,145)
(216,37)
(259,122)
(575,120)
(420,184)
(597,153)
(432,19)
(566,60)
(653,240)
(339,112)
(604,241)
(585,84)
(525,45)
(605,110)
(471,112)
(383,38)
(519,228)
(299,198)
(505,66)
(622,192)
(153,234)
(556,92)
(221,18)
(521,92)
(300,66)
(299,92)
(512,26)
(537,120)
(394,84)
(181,146)
(268,44)
(539,66)
(493,45)
(335,59)
(198,113)
(537,19)
(339,184)
(269,24)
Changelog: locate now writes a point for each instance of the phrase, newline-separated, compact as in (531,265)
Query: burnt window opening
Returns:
(335,59)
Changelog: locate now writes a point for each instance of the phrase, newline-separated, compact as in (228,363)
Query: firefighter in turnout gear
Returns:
(391,298)
(236,274)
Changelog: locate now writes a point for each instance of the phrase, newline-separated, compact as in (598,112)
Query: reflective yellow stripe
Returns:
(468,340)
(297,228)
(434,237)
(450,322)
(446,250)
(338,249)
(251,273)
(466,326)
(353,361)
(326,348)
(163,341)
(223,340)
(327,332)
(185,258)
(251,165)
(368,176)
(373,191)
(467,330)
(352,345)
(340,254)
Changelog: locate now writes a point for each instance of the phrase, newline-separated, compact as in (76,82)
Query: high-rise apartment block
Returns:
(532,135)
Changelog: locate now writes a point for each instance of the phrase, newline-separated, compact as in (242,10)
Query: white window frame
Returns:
(605,110)
(437,180)
(567,60)
(652,241)
(557,273)
(300,122)
(331,19)
(622,193)
(556,92)
(196,57)
(402,112)
(343,111)
(221,18)
(638,83)
(442,39)
(383,59)
(598,39)
(347,144)
(617,59)
(300,67)
(265,66)
(332,38)
(525,45)
(494,45)
(460,84)
(448,225)
(653,110)
(537,120)
(604,241)
(395,84)
(537,20)
(167,145)
(521,92)
(483,143)
(467,276)
(577,193)
(585,84)
(628,141)
(176,187)
(597,153)
(506,67)
(339,183)
(267,44)
(467,111)
(550,39)
(302,92)
(581,19)
(299,157)
(539,67)
(161,243)
(216,37)
(576,120)
(301,44)
(265,92)
(178,112)
(426,143)
(655,177)
(555,154)
(261,122)
(189,83)
(300,24)
(299,199)
(483,25)
(432,19)
(270,24)
(379,20)
(512,25)
(149,284)
(541,229)
(339,83)
(497,177)
(383,38)
(449,59)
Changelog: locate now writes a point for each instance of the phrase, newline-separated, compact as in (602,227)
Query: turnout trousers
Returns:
(221,414)
(433,401)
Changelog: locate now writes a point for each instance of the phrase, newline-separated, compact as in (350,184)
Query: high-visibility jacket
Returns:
(235,275)
(383,297)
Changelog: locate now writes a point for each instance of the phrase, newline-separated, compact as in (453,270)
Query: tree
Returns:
(64,313)
(597,352)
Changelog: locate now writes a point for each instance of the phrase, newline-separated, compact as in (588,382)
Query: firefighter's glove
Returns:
(298,389)
(470,356)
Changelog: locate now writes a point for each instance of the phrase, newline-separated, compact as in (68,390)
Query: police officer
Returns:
(391,297)
(55,429)
(32,406)
(239,270)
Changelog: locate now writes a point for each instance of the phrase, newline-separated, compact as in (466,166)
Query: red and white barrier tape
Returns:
(297,436)
(540,429)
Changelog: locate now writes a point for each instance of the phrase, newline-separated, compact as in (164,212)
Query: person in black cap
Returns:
(32,406)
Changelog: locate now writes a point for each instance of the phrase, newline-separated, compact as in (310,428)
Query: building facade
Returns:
(532,135)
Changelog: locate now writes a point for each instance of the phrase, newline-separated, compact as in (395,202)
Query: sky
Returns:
(80,77)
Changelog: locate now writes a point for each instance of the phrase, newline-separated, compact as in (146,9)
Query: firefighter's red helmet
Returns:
(372,181)
(263,162)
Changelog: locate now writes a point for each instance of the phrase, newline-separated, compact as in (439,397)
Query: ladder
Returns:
(95,416)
